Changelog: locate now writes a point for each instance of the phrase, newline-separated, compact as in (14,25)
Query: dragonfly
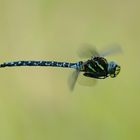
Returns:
(95,66)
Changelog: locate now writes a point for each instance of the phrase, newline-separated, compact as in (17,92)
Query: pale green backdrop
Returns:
(35,103)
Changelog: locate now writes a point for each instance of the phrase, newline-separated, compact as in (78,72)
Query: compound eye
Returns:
(116,71)
(113,66)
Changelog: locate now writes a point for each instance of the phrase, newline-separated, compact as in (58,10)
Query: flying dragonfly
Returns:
(95,66)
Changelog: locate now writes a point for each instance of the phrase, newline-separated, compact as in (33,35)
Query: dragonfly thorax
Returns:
(113,69)
(96,67)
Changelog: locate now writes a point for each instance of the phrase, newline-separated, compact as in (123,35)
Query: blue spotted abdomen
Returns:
(41,63)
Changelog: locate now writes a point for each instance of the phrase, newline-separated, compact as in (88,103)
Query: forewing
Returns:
(111,50)
(87,51)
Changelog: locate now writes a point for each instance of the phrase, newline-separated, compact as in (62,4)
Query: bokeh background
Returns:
(35,102)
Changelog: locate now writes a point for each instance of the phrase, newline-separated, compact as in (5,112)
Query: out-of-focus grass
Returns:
(35,103)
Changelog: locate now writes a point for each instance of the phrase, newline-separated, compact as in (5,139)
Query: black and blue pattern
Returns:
(95,67)
(42,63)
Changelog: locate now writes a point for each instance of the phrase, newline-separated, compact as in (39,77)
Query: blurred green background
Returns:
(35,102)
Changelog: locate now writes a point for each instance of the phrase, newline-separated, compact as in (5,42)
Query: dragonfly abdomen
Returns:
(41,63)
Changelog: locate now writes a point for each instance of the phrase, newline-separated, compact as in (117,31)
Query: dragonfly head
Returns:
(113,69)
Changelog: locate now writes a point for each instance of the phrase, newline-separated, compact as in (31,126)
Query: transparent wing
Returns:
(77,76)
(86,81)
(87,51)
(72,79)
(111,50)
